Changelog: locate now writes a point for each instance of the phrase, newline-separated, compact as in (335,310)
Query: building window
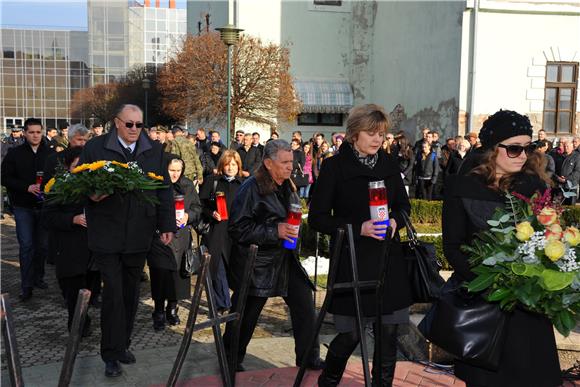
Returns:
(320,119)
(337,3)
(560,97)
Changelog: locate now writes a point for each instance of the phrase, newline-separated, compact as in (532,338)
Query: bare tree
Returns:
(99,101)
(193,85)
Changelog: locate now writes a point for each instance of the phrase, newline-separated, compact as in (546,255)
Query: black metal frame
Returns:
(74,337)
(355,286)
(10,346)
(227,365)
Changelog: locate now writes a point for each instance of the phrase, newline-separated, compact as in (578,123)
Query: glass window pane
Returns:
(550,102)
(161,25)
(150,25)
(564,122)
(567,73)
(565,99)
(552,73)
(549,123)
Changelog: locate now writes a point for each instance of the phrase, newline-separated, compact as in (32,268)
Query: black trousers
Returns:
(424,189)
(302,314)
(70,289)
(121,275)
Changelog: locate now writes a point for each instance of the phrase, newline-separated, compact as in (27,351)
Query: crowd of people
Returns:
(239,194)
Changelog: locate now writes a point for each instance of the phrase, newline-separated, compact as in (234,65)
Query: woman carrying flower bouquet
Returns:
(509,164)
(167,284)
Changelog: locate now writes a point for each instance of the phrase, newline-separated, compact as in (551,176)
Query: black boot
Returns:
(339,351)
(158,320)
(384,368)
(171,314)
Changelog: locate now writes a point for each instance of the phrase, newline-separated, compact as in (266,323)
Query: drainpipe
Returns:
(473,66)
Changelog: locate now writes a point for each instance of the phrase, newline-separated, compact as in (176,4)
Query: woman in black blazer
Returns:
(508,163)
(165,261)
(227,180)
(341,197)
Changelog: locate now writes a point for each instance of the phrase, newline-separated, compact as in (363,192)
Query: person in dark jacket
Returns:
(121,228)
(508,164)
(69,244)
(570,174)
(258,217)
(405,159)
(543,147)
(15,139)
(341,197)
(249,155)
(19,175)
(209,160)
(165,261)
(426,172)
(457,157)
(218,240)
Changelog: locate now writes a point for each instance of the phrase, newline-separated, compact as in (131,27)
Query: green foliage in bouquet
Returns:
(528,258)
(102,178)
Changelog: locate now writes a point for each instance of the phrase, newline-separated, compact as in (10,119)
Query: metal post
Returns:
(146,107)
(10,346)
(229,99)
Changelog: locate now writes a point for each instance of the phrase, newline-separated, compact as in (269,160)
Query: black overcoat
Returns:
(529,356)
(69,245)
(217,240)
(169,256)
(341,197)
(254,219)
(125,223)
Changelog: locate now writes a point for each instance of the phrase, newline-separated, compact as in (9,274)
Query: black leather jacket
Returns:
(254,219)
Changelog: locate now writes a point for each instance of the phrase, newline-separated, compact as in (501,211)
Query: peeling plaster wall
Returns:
(416,62)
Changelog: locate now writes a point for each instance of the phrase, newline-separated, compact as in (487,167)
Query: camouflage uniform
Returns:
(183,148)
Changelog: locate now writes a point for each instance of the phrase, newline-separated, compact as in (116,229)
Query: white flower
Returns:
(568,262)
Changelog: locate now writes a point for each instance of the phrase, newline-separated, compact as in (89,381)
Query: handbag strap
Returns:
(411,233)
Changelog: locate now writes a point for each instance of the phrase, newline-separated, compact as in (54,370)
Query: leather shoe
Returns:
(113,369)
(172,317)
(317,364)
(240,368)
(26,295)
(158,321)
(41,284)
(128,358)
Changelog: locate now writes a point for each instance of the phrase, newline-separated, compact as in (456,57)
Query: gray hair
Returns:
(272,148)
(77,129)
(128,107)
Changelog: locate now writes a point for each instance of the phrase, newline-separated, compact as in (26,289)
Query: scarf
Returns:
(369,161)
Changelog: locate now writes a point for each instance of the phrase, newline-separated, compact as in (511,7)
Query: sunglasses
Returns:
(129,125)
(514,151)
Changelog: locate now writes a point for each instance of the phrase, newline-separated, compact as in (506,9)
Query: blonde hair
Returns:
(227,158)
(366,118)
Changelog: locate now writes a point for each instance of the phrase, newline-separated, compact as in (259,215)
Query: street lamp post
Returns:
(146,84)
(230,36)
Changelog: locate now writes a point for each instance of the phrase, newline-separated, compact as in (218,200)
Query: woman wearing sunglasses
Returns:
(508,163)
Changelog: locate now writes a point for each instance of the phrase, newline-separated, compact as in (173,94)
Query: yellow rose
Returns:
(80,168)
(553,232)
(49,185)
(524,231)
(154,176)
(554,250)
(97,165)
(572,236)
(124,165)
(548,216)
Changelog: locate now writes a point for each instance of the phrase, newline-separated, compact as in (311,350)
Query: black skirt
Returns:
(169,285)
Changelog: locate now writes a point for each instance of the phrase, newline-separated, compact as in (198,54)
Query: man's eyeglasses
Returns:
(129,125)
(514,151)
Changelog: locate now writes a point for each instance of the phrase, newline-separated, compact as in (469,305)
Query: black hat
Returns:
(176,129)
(502,125)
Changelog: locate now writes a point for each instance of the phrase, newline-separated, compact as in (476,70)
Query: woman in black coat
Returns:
(165,261)
(457,157)
(217,240)
(69,245)
(341,197)
(529,356)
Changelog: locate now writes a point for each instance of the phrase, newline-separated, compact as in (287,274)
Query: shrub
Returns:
(426,211)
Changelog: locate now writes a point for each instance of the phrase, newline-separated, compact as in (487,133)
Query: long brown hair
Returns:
(535,165)
(227,158)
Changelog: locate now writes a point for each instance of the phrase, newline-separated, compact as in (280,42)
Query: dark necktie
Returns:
(128,153)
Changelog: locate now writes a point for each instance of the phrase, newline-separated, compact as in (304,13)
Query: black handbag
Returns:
(191,260)
(466,325)
(300,178)
(423,266)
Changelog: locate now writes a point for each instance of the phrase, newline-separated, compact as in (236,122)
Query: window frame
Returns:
(558,85)
(319,121)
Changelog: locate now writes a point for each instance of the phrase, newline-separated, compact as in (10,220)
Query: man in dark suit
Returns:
(250,156)
(121,228)
(256,144)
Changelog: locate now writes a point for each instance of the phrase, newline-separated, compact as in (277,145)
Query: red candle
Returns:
(293,219)
(39,176)
(221,205)
(179,207)
(378,205)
